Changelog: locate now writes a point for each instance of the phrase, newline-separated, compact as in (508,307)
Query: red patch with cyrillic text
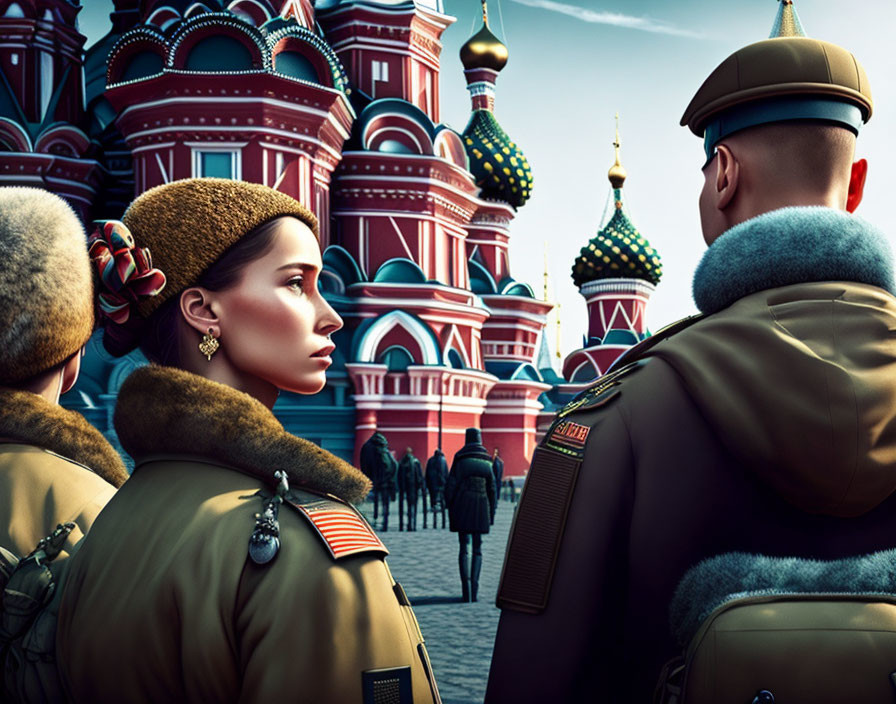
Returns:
(569,434)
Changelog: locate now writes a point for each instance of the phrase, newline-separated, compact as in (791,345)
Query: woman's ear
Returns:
(196,307)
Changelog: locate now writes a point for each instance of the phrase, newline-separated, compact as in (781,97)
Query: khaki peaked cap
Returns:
(188,224)
(780,67)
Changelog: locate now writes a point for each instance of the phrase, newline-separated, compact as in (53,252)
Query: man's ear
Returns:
(856,185)
(196,307)
(727,176)
(70,370)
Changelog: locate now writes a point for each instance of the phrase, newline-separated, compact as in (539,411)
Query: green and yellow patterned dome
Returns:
(618,251)
(498,165)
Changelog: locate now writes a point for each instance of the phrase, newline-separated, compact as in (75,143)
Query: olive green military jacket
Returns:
(54,468)
(163,602)
(767,426)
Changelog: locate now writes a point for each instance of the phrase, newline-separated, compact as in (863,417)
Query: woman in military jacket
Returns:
(234,568)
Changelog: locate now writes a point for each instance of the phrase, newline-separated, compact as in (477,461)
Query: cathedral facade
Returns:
(336,103)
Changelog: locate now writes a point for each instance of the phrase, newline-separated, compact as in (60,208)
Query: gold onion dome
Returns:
(484,49)
(498,165)
(618,250)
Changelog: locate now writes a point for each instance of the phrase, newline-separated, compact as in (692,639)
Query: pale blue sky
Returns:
(574,64)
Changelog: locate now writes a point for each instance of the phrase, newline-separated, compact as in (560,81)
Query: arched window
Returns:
(396,358)
(455,361)
(141,65)
(295,65)
(219,53)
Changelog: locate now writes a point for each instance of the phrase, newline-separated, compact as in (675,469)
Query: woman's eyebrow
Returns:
(299,265)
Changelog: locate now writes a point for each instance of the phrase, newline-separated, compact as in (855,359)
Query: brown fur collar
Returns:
(162,410)
(32,420)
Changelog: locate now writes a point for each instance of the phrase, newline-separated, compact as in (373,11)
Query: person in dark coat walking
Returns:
(379,465)
(410,486)
(471,498)
(436,476)
(497,468)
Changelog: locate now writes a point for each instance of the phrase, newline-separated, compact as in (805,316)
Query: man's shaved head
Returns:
(776,165)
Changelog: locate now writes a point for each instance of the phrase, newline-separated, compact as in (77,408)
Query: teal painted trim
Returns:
(779,110)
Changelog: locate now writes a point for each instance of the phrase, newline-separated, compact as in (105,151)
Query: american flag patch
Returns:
(344,530)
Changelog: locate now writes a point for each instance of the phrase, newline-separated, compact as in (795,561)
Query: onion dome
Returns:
(484,49)
(498,165)
(618,250)
(787,22)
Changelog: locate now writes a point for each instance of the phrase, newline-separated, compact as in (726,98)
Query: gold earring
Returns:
(209,345)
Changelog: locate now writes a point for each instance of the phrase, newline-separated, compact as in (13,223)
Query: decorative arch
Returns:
(481,281)
(454,343)
(586,371)
(338,260)
(163,17)
(511,287)
(395,126)
(196,9)
(400,271)
(287,35)
(293,57)
(253,10)
(62,139)
(218,41)
(448,145)
(396,358)
(139,53)
(13,136)
(371,335)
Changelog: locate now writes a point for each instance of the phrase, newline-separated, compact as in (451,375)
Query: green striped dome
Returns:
(498,166)
(618,251)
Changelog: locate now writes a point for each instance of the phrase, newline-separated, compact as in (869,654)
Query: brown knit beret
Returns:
(46,292)
(187,225)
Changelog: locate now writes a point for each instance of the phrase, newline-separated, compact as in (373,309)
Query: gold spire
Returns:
(617,173)
(484,49)
(545,262)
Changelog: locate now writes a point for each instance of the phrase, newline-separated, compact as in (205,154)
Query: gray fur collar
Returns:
(791,246)
(32,420)
(733,575)
(166,411)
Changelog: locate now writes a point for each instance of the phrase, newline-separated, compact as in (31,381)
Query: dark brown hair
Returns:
(158,336)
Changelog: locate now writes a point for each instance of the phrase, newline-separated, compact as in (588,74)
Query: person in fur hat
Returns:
(54,466)
(233,565)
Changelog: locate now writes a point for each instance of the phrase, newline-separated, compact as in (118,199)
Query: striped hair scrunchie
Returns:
(125,271)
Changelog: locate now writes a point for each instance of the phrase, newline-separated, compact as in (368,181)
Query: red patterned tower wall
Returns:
(617,304)
(390,52)
(488,239)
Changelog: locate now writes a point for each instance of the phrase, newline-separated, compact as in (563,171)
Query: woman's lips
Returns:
(325,352)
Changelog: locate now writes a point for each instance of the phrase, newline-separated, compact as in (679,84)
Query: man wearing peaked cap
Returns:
(764,426)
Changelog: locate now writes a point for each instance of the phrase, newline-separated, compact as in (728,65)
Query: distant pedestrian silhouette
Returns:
(379,465)
(436,476)
(410,486)
(471,498)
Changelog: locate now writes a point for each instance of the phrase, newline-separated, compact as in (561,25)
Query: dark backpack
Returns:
(31,592)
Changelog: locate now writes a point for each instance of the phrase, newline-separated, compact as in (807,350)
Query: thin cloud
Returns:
(645,24)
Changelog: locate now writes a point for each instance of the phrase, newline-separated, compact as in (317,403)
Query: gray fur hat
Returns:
(46,291)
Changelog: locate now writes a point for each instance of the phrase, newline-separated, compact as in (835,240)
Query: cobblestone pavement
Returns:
(459,637)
